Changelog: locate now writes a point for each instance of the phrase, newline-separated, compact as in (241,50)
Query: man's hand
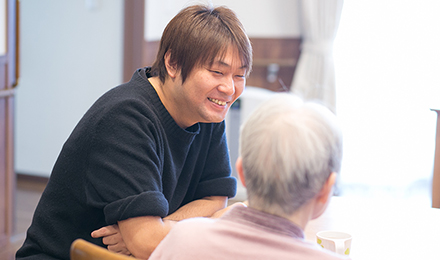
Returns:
(111,236)
(143,234)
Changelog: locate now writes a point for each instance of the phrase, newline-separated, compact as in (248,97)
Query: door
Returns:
(8,81)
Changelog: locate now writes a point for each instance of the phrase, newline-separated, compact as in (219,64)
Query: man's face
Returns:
(209,91)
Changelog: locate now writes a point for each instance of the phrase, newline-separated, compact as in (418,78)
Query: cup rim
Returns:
(321,235)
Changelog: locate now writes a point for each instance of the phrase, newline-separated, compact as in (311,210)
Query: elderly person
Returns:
(290,154)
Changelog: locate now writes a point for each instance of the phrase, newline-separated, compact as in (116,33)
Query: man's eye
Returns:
(216,72)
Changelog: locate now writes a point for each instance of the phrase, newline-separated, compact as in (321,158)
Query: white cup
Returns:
(338,242)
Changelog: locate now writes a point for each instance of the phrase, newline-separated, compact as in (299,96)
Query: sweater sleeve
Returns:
(216,179)
(124,168)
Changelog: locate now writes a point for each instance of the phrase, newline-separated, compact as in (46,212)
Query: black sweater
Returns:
(127,157)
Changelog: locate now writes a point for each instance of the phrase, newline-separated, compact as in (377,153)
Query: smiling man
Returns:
(152,151)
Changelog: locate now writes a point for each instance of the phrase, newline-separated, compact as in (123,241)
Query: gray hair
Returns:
(289,148)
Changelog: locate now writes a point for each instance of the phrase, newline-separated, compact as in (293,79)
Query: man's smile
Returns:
(218,102)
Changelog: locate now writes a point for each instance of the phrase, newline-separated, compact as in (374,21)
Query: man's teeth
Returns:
(218,102)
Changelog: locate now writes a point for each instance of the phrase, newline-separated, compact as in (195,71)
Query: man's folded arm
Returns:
(205,207)
(141,235)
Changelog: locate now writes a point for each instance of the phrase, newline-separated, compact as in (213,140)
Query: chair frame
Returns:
(84,250)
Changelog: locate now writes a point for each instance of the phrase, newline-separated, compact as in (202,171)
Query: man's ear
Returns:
(171,67)
(239,168)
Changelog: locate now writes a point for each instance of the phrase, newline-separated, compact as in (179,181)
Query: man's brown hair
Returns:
(199,34)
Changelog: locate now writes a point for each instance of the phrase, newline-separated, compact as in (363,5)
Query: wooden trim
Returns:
(12,44)
(133,36)
(32,178)
(150,52)
(6,92)
(8,82)
(10,176)
(281,62)
(17,42)
(3,59)
(436,172)
(7,157)
(276,48)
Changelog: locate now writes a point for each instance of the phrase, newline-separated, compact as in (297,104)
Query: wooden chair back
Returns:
(84,250)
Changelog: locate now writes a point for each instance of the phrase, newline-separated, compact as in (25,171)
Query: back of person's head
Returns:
(288,148)
(198,35)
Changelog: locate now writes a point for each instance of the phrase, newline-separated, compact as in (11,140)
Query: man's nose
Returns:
(227,86)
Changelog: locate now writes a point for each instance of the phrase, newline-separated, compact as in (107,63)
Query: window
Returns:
(387,60)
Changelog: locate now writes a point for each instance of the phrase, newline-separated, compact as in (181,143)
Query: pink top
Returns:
(242,233)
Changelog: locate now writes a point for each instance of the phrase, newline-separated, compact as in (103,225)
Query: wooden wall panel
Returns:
(284,52)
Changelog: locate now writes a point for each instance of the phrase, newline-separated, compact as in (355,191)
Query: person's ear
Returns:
(327,189)
(171,67)
(239,168)
(323,198)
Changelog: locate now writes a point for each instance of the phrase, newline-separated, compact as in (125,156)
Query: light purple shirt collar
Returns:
(252,217)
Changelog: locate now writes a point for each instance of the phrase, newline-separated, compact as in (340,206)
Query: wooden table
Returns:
(382,229)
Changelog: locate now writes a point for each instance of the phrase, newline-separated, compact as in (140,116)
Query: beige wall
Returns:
(261,18)
(71,53)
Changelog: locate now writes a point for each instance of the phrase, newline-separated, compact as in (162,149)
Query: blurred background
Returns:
(386,63)
(375,63)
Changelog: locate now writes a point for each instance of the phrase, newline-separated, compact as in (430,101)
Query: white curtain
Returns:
(314,77)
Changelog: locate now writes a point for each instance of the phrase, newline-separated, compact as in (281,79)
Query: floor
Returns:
(27,196)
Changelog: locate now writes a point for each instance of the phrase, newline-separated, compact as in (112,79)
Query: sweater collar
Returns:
(169,123)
